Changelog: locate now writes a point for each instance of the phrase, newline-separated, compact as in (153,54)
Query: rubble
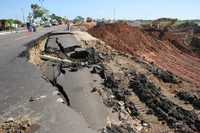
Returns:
(110,82)
(190,98)
(130,107)
(72,48)
(97,69)
(163,75)
(117,97)
(72,57)
(79,53)
(175,116)
(16,126)
(195,44)
(125,128)
(86,56)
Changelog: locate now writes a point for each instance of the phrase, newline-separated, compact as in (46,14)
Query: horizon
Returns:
(120,10)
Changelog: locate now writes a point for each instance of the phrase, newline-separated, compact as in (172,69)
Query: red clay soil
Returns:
(162,53)
(178,39)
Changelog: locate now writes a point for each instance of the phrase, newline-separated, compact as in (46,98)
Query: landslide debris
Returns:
(118,129)
(195,44)
(115,72)
(189,97)
(162,53)
(176,117)
(120,96)
(161,74)
(178,34)
(17,126)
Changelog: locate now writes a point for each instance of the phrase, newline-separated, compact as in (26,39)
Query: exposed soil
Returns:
(34,52)
(135,100)
(125,104)
(142,78)
(160,52)
(21,125)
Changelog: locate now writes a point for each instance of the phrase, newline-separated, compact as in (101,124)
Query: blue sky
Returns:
(125,9)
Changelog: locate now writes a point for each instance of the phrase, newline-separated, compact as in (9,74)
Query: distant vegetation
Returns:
(42,16)
(78,20)
(38,11)
(9,24)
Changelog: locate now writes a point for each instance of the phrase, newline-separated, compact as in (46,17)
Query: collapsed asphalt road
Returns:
(59,84)
(27,94)
(75,82)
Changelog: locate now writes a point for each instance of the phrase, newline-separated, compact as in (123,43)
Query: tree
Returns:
(55,17)
(18,22)
(79,19)
(38,11)
(89,19)
(59,19)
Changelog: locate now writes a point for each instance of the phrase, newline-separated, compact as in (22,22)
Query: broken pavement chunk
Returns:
(55,59)
(71,49)
(60,100)
(88,55)
(79,53)
(110,82)
(99,70)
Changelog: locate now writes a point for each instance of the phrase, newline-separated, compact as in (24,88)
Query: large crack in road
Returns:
(72,79)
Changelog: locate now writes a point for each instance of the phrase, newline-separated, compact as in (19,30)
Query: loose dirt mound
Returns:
(163,53)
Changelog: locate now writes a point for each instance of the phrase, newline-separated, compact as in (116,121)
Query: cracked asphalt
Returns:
(20,80)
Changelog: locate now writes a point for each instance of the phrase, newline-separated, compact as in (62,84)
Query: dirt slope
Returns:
(163,53)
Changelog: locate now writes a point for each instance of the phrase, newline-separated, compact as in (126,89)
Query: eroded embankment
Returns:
(126,79)
(161,52)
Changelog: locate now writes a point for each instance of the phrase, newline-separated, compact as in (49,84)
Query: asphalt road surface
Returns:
(20,80)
